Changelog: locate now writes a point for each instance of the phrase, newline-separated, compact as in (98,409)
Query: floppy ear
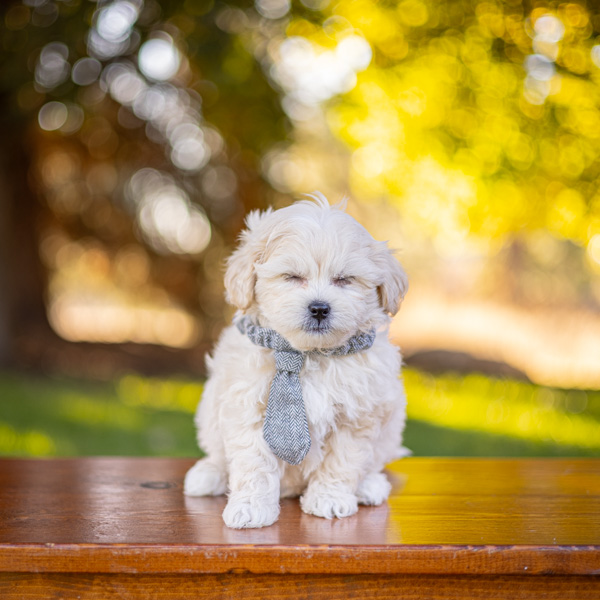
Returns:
(394,282)
(240,276)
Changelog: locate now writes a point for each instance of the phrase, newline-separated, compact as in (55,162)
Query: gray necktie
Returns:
(285,428)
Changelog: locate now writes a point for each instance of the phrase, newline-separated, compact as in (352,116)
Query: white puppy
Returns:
(313,275)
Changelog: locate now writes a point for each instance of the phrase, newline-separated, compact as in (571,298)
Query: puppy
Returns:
(321,410)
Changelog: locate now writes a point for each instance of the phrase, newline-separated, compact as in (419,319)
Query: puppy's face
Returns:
(314,275)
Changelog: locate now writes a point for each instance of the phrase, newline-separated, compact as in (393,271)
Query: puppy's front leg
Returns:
(254,475)
(332,488)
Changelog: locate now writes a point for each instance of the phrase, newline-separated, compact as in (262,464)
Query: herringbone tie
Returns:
(285,428)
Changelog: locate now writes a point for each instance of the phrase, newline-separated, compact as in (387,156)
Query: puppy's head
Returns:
(313,274)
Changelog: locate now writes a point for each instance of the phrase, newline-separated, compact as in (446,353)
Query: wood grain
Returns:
(339,559)
(115,527)
(293,587)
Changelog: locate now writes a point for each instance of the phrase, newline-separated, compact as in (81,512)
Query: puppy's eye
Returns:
(293,278)
(342,280)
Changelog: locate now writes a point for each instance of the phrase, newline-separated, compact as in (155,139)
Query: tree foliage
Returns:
(477,118)
(150,128)
(143,125)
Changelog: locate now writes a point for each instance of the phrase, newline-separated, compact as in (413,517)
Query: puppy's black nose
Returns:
(319,310)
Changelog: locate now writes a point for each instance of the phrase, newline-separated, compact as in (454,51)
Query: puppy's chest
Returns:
(334,389)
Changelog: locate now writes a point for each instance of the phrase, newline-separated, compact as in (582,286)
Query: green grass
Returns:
(132,416)
(136,416)
(475,415)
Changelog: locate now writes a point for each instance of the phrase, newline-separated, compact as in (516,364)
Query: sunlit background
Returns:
(137,134)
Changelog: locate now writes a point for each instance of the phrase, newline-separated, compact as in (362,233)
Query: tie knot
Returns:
(291,362)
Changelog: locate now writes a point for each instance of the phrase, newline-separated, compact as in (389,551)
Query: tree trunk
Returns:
(22,276)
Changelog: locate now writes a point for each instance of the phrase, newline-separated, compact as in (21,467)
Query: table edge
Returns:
(301,559)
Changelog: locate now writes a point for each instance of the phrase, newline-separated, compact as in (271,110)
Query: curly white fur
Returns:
(355,404)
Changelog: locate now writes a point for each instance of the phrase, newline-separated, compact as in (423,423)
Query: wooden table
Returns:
(102,528)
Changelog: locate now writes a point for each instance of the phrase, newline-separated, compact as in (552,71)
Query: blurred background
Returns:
(136,134)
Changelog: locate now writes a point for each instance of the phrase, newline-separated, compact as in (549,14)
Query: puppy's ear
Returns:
(239,276)
(394,282)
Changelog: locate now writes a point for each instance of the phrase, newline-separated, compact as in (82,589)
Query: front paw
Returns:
(205,478)
(328,503)
(374,489)
(249,512)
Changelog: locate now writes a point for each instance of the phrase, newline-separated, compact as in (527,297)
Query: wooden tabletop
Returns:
(457,516)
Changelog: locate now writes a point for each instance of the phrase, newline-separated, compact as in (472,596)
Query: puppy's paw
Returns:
(205,478)
(248,513)
(374,489)
(328,503)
